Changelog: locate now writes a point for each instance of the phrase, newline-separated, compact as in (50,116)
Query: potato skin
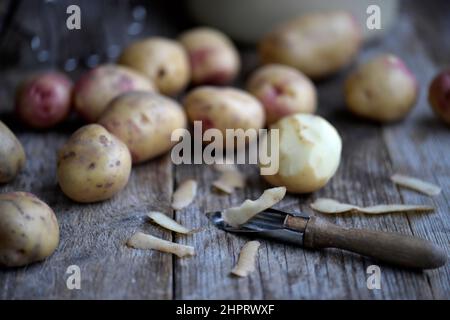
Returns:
(309,153)
(93,165)
(383,89)
(44,100)
(224,108)
(163,61)
(318,44)
(213,57)
(12,155)
(144,121)
(283,91)
(96,88)
(439,95)
(29,230)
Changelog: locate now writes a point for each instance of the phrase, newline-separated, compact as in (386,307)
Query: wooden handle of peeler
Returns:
(393,248)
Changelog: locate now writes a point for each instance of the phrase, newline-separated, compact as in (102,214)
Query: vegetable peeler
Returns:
(316,233)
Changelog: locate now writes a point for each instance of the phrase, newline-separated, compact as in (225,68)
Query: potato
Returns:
(213,57)
(93,165)
(309,153)
(283,91)
(44,100)
(12,156)
(383,89)
(98,87)
(144,121)
(224,108)
(439,95)
(29,231)
(162,60)
(318,44)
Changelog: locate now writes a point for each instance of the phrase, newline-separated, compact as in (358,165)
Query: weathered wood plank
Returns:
(420,146)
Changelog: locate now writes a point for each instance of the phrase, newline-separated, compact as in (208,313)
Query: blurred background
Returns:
(33,33)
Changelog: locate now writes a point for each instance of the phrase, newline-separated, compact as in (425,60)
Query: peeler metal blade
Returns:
(270,224)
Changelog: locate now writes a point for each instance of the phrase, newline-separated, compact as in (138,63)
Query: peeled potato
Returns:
(309,153)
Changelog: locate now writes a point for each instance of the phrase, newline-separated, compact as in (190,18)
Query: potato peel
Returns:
(239,215)
(168,223)
(416,185)
(145,241)
(184,195)
(230,180)
(247,259)
(331,206)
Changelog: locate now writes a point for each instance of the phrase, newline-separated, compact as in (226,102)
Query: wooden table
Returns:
(93,236)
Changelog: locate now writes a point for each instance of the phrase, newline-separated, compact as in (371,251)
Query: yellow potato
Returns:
(162,60)
(93,165)
(29,231)
(144,121)
(309,153)
(12,156)
(283,91)
(224,108)
(214,58)
(98,87)
(383,89)
(318,44)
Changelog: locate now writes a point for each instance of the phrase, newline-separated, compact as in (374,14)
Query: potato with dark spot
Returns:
(214,58)
(283,91)
(224,108)
(29,231)
(12,156)
(318,44)
(98,87)
(439,95)
(382,90)
(44,100)
(162,60)
(93,165)
(145,122)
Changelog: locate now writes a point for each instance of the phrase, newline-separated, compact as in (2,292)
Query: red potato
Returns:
(98,87)
(44,100)
(383,89)
(213,57)
(318,44)
(163,61)
(224,108)
(144,121)
(283,91)
(439,96)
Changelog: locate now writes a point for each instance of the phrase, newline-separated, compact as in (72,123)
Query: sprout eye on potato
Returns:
(318,44)
(93,165)
(309,153)
(383,89)
(145,122)
(163,61)
(213,57)
(98,87)
(12,155)
(283,91)
(439,95)
(224,108)
(44,100)
(29,231)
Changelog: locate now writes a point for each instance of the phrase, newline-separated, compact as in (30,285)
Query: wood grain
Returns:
(93,236)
